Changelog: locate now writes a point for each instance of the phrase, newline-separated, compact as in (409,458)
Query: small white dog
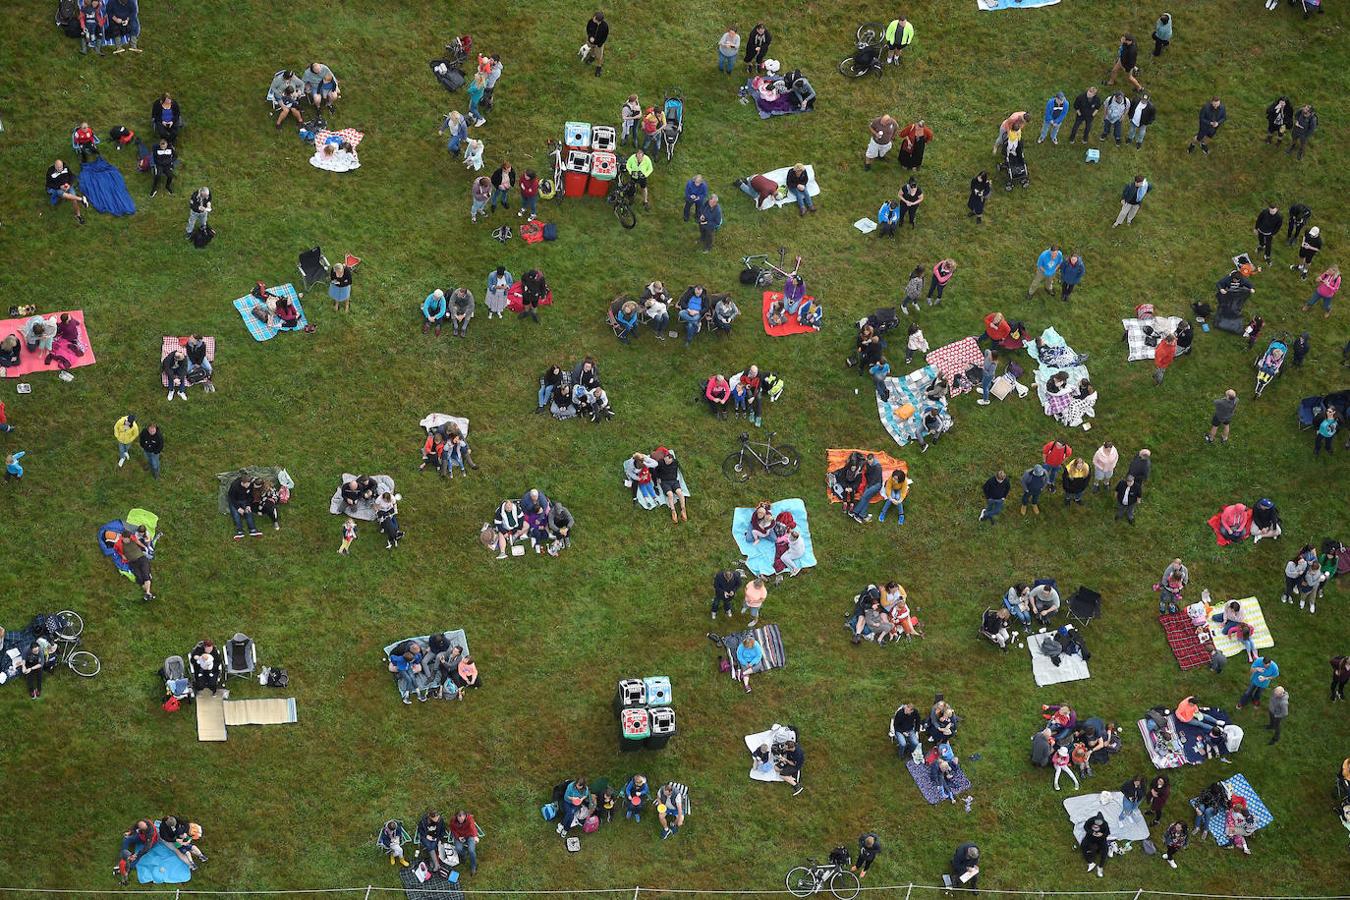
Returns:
(473,154)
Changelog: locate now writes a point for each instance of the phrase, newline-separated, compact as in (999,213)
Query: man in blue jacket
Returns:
(1069,275)
(695,193)
(1056,109)
(1047,264)
(1131,198)
(709,220)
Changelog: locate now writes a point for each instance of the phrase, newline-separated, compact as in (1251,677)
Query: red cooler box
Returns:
(577,174)
(604,168)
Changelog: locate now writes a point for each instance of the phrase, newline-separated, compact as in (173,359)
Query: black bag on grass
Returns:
(202,235)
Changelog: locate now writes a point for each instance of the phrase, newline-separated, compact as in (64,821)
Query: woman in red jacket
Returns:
(996,329)
(1055,454)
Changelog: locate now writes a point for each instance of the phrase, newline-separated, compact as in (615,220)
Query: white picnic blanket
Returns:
(1085,806)
(1070,668)
(437,420)
(783,198)
(1138,332)
(775,735)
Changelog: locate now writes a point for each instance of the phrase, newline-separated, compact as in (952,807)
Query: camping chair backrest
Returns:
(312,260)
(674,111)
(240,655)
(274,99)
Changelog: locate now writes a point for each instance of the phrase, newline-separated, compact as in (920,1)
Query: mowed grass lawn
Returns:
(291,807)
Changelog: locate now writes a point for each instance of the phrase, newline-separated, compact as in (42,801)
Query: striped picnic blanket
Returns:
(1165,755)
(1252,615)
(955,358)
(910,390)
(775,657)
(1190,651)
(259,329)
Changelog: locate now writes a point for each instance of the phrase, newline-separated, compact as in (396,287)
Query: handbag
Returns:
(171,705)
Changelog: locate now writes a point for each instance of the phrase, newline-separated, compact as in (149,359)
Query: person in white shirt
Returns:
(728,48)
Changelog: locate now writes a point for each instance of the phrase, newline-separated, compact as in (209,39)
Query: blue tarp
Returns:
(105,187)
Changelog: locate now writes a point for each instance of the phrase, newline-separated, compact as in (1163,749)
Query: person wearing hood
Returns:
(1096,840)
(1034,481)
(1212,116)
(1141,113)
(1162,33)
(1113,113)
(1312,242)
(1268,224)
(1069,275)
(1305,123)
(1056,110)
(1279,119)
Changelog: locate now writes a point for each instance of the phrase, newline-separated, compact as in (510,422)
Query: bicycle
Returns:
(812,878)
(621,197)
(551,188)
(780,460)
(69,628)
(765,271)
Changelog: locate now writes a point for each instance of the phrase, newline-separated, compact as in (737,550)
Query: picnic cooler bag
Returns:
(663,728)
(634,728)
(631,692)
(577,135)
(658,690)
(604,166)
(602,137)
(578,172)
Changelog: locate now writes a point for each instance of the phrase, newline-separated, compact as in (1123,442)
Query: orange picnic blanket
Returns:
(835,459)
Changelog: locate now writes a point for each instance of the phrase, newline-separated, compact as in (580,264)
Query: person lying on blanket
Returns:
(1058,356)
(1190,711)
(869,620)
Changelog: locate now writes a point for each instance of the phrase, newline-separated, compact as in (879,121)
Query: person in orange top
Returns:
(1188,710)
(1055,454)
(913,138)
(1163,356)
(84,141)
(996,328)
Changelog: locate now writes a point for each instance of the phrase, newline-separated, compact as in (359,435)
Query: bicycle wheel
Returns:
(845,884)
(801,882)
(84,663)
(70,625)
(736,467)
(870,32)
(627,218)
(786,462)
(849,68)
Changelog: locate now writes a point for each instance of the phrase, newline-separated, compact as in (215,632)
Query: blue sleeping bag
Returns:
(118,527)
(105,187)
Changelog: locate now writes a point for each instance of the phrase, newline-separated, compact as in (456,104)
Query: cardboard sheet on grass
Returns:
(923,780)
(791,326)
(1184,640)
(835,459)
(69,356)
(259,329)
(1142,335)
(1252,615)
(365,509)
(759,556)
(1070,668)
(215,713)
(907,395)
(1238,786)
(775,735)
(273,474)
(1085,806)
(1061,404)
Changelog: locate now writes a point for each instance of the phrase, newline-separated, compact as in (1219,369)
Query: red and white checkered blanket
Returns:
(350,135)
(955,358)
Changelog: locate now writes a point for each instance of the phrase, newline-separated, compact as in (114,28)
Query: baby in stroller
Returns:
(1268,364)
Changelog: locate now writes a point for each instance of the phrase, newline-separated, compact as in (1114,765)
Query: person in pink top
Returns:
(718,392)
(755,592)
(1328,283)
(1104,465)
(942,273)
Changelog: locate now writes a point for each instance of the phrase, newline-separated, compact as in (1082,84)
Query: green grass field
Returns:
(297,807)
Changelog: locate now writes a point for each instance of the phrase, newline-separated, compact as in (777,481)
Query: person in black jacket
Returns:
(667,478)
(1096,839)
(548,383)
(995,495)
(1279,119)
(1085,107)
(152,445)
(166,117)
(597,32)
(874,478)
(869,846)
(965,867)
(1134,792)
(1127,495)
(1299,214)
(1305,123)
(175,369)
(1212,116)
(240,497)
(756,48)
(163,160)
(1268,222)
(61,186)
(726,584)
(1140,114)
(533,290)
(1127,58)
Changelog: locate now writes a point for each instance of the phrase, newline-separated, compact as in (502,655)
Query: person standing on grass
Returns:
(199,209)
(1056,111)
(1163,356)
(1113,114)
(597,32)
(899,35)
(1340,677)
(881,135)
(1132,794)
(1127,59)
(1212,116)
(1131,198)
(1305,123)
(5,427)
(1104,465)
(1312,243)
(695,194)
(1224,408)
(502,181)
(1326,433)
(1268,223)
(125,430)
(1279,711)
(728,48)
(1140,115)
(1054,455)
(1128,495)
(1263,672)
(995,491)
(630,115)
(1162,37)
(529,195)
(1085,107)
(340,287)
(988,370)
(1299,214)
(1175,839)
(163,160)
(911,195)
(980,189)
(1279,116)
(1328,283)
(756,48)
(1047,265)
(709,220)
(869,847)
(914,137)
(1034,480)
(152,445)
(943,270)
(726,585)
(1069,275)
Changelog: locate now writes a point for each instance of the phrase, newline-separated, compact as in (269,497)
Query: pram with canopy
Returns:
(1269,363)
(674,127)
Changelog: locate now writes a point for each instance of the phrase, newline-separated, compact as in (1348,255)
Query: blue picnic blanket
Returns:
(105,187)
(160,865)
(759,557)
(1238,786)
(260,330)
(910,389)
(1192,737)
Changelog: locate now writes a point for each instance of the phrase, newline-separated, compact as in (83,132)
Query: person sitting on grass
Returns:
(788,760)
(574,806)
(672,802)
(869,620)
(434,311)
(239,495)
(433,453)
(995,627)
(942,721)
(61,186)
(1017,601)
(717,391)
(508,525)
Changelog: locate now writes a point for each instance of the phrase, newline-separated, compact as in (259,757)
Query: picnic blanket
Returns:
(1085,806)
(64,355)
(1238,786)
(160,865)
(340,160)
(782,197)
(456,638)
(1191,736)
(103,184)
(365,509)
(775,735)
(441,420)
(1252,615)
(955,359)
(1061,404)
(260,330)
(170,344)
(929,788)
(791,326)
(1070,668)
(1240,520)
(210,717)
(273,711)
(759,556)
(1141,335)
(515,301)
(909,392)
(768,101)
(658,501)
(437,887)
(1191,652)
(991,5)
(1165,754)
(770,641)
(835,459)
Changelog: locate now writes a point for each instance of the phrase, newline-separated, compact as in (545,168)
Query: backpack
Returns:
(750,276)
(550,232)
(532,232)
(774,386)
(549,811)
(277,678)
(202,235)
(839,856)
(68,17)
(592,825)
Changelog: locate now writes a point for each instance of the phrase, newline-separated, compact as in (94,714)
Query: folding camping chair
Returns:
(383,840)
(273,98)
(313,266)
(76,147)
(241,656)
(1085,605)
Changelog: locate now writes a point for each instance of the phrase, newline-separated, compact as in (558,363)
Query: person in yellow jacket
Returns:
(125,430)
(899,35)
(639,167)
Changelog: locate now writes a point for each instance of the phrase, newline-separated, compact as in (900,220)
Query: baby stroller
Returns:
(674,112)
(1268,364)
(458,49)
(1015,169)
(866,58)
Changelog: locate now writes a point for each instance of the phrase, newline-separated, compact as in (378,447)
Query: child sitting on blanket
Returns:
(643,479)
(762,759)
(778,313)
(810,314)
